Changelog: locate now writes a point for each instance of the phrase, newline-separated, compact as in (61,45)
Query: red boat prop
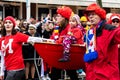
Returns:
(51,53)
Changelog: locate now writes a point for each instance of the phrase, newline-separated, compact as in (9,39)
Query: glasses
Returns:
(117,21)
(91,14)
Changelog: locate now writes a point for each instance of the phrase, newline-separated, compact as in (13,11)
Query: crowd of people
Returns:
(100,32)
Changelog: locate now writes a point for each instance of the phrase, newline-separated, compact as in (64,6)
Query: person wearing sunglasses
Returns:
(115,20)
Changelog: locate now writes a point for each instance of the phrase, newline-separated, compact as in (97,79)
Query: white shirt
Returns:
(2,67)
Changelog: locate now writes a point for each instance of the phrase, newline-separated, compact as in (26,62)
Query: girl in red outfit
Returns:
(73,36)
(11,46)
(102,65)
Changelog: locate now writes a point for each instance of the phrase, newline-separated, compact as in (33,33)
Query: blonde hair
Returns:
(77,18)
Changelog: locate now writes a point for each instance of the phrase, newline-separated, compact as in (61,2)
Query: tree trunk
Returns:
(99,2)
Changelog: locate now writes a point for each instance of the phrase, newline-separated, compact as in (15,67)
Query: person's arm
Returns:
(117,36)
(38,40)
(2,67)
(34,39)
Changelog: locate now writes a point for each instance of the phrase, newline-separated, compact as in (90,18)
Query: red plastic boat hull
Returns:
(51,53)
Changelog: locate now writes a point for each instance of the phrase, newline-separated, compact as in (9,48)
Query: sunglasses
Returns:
(31,29)
(117,21)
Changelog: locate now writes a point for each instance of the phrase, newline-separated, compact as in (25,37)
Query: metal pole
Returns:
(36,65)
(28,10)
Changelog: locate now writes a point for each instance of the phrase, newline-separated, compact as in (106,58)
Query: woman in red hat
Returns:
(62,21)
(11,47)
(102,46)
(74,36)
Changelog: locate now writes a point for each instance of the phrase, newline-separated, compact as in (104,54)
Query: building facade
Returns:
(24,9)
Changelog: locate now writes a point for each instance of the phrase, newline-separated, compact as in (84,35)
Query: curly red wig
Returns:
(97,9)
(65,11)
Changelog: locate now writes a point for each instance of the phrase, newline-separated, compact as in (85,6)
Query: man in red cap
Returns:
(102,51)
(115,20)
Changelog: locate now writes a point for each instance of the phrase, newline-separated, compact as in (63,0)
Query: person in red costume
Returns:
(74,36)
(114,20)
(11,47)
(61,29)
(102,58)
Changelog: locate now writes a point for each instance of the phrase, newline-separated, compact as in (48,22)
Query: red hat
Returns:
(114,16)
(65,11)
(97,9)
(11,19)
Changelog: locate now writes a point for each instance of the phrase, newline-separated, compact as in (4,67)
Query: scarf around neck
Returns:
(91,53)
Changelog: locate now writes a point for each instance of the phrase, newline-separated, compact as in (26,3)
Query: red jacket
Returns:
(105,67)
(77,33)
(62,33)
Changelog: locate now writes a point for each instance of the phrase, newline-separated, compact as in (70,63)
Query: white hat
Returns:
(32,26)
(115,17)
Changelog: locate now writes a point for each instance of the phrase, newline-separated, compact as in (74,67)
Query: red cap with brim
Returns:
(112,17)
